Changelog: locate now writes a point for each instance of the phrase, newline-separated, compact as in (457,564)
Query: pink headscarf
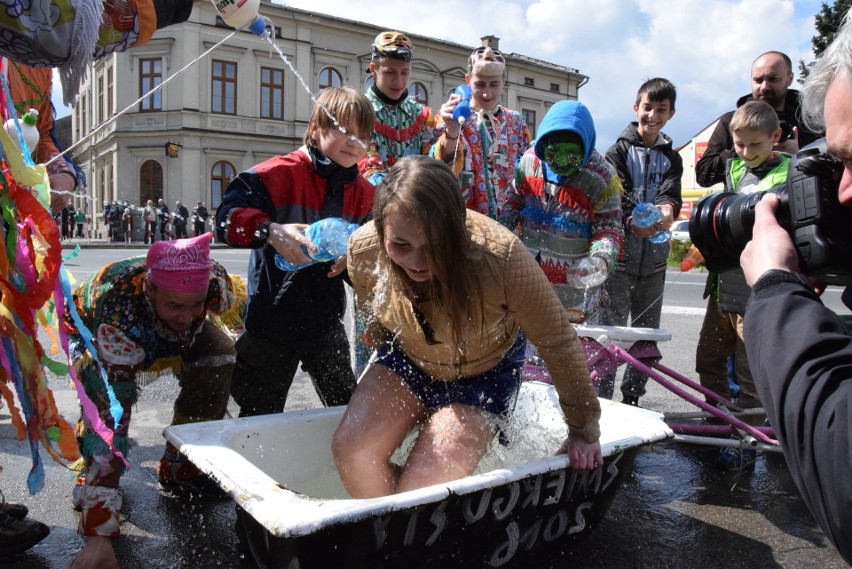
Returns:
(181,266)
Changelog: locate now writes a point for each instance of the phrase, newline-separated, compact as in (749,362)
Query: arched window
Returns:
(329,77)
(220,176)
(419,92)
(150,181)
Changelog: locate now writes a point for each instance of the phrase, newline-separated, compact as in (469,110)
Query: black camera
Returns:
(821,228)
(786,131)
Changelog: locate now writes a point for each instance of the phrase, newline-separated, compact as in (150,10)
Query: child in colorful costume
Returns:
(567,199)
(402,126)
(485,149)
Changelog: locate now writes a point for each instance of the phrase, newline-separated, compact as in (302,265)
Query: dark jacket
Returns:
(731,289)
(180,215)
(296,308)
(647,175)
(710,169)
(800,355)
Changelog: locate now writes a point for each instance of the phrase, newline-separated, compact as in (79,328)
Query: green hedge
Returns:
(678,251)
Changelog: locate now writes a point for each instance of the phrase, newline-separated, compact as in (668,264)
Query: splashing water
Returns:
(310,93)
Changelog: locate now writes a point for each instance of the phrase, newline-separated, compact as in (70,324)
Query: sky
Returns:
(704,47)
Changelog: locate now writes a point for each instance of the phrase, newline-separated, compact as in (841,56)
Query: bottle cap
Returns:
(30,117)
(258,27)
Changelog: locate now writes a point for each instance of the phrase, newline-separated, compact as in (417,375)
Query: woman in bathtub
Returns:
(447,292)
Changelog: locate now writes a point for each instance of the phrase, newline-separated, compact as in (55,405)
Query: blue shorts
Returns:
(494,391)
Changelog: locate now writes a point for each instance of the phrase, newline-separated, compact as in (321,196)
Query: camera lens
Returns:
(720,227)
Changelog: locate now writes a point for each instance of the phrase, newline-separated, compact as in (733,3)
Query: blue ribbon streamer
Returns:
(114,406)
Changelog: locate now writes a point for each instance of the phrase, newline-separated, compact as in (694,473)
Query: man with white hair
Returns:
(799,351)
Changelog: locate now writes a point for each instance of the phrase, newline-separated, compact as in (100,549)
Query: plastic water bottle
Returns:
(329,235)
(28,128)
(462,112)
(647,214)
(238,13)
(589,272)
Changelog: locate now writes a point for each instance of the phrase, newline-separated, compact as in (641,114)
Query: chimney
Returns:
(491,41)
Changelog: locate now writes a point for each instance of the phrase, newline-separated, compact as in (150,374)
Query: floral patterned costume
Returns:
(135,348)
(491,145)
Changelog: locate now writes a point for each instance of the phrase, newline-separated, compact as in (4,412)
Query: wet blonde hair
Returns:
(344,104)
(426,190)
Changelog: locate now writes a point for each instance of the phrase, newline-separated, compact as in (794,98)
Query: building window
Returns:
(150,182)
(529,118)
(271,93)
(101,98)
(554,87)
(110,107)
(150,76)
(221,175)
(529,81)
(106,195)
(84,114)
(419,92)
(329,77)
(224,87)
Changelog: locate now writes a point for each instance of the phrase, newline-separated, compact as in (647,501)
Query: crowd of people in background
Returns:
(156,222)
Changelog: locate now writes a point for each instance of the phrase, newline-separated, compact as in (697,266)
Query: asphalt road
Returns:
(675,510)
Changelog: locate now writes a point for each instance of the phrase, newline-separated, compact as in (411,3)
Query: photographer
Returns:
(800,352)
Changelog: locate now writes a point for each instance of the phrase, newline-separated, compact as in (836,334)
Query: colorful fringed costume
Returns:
(566,218)
(490,146)
(135,347)
(69,34)
(401,129)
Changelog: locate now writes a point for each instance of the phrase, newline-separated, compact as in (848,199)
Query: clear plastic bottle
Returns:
(329,235)
(647,214)
(28,128)
(238,13)
(462,112)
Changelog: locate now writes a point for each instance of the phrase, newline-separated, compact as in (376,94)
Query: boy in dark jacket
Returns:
(650,172)
(297,316)
(757,168)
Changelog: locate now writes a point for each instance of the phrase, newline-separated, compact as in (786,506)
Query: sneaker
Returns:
(17,511)
(17,536)
(631,400)
(734,458)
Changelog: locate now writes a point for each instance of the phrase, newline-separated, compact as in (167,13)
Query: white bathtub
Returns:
(294,512)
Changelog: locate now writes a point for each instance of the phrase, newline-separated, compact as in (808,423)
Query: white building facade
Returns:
(240,104)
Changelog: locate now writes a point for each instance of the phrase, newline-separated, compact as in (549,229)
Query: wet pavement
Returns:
(675,510)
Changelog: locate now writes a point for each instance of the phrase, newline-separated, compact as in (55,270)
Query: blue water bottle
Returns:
(647,214)
(329,235)
(462,111)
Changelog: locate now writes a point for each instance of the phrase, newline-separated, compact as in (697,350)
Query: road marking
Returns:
(683,282)
(684,310)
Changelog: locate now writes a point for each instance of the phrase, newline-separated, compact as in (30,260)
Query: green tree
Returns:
(827,23)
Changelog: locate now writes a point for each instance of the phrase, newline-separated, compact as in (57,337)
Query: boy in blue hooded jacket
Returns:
(567,200)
